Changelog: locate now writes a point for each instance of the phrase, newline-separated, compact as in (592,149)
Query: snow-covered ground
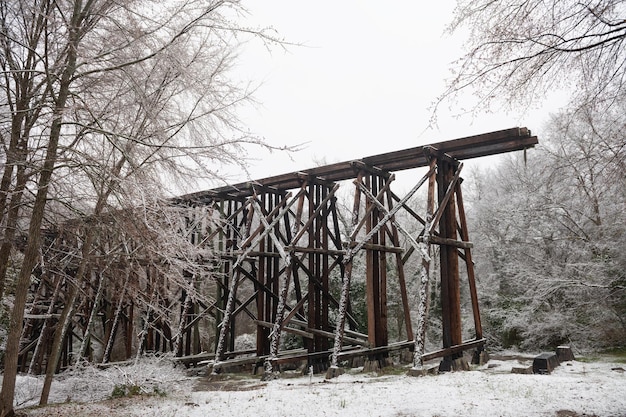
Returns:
(573,389)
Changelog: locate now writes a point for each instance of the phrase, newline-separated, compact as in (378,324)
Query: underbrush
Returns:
(130,390)
(617,354)
(149,376)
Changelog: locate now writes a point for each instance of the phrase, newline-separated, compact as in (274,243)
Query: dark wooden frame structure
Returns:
(274,246)
(278,250)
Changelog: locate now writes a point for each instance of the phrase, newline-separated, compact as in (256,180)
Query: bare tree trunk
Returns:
(68,312)
(116,319)
(181,326)
(343,307)
(11,224)
(57,344)
(88,328)
(146,323)
(422,312)
(23,116)
(424,291)
(46,326)
(345,285)
(34,231)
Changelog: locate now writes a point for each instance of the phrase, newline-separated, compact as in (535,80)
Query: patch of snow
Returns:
(584,388)
(87,384)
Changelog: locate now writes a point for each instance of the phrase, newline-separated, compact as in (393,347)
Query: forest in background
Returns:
(550,233)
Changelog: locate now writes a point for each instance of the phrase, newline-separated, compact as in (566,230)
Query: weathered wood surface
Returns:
(466,345)
(564,353)
(492,143)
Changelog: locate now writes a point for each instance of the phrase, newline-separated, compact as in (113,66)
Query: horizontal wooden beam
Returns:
(303,333)
(448,242)
(502,141)
(374,351)
(466,345)
(309,332)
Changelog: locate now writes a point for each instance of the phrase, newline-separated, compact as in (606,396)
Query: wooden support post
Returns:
(264,274)
(401,277)
(383,328)
(251,243)
(371,275)
(325,265)
(311,290)
(449,268)
(469,263)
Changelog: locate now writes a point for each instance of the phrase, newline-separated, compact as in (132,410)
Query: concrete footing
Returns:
(333,372)
(545,363)
(375,365)
(564,353)
(423,370)
(458,364)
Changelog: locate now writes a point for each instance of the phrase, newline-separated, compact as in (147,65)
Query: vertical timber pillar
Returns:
(376,278)
(449,268)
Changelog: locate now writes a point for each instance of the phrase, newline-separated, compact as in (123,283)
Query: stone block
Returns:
(458,364)
(480,358)
(375,365)
(423,370)
(357,362)
(334,372)
(406,356)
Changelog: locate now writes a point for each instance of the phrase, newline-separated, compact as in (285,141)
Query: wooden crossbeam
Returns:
(466,345)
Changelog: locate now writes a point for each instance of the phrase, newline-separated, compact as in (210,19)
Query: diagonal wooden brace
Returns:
(284,290)
(268,228)
(389,217)
(444,201)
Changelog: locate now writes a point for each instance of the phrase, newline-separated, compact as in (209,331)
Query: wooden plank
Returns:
(287,358)
(448,242)
(401,278)
(346,331)
(256,359)
(268,325)
(302,249)
(380,248)
(376,350)
(382,337)
(466,345)
(309,332)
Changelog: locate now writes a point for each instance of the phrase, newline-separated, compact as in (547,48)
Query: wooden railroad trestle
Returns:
(284,260)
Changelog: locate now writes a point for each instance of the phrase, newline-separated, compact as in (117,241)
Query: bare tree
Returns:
(134,89)
(518,51)
(24,92)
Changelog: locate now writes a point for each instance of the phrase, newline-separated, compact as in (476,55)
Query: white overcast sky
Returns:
(361,84)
